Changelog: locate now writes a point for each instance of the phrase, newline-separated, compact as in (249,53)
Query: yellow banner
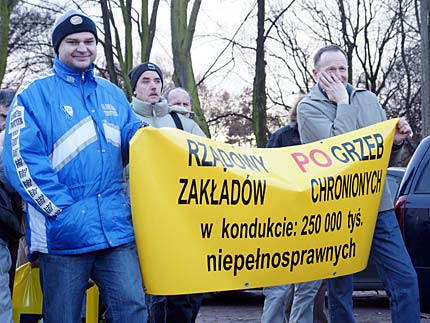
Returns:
(210,216)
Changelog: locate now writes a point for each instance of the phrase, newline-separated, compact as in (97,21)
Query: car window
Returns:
(423,183)
(393,184)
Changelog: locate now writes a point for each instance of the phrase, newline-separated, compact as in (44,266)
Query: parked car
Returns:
(412,208)
(368,279)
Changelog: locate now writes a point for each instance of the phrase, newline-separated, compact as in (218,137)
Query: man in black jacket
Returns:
(287,135)
(8,235)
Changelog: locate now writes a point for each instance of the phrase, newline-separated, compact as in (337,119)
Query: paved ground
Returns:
(246,307)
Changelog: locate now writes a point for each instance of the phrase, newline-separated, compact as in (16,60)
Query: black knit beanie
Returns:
(71,22)
(138,70)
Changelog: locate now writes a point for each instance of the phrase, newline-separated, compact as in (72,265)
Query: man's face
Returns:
(3,114)
(333,63)
(148,87)
(78,50)
(179,97)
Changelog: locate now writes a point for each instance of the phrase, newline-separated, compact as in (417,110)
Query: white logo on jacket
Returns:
(68,111)
(109,110)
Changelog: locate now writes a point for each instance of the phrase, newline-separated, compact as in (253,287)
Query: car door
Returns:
(413,212)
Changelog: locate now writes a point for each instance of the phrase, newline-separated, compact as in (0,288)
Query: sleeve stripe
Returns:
(16,123)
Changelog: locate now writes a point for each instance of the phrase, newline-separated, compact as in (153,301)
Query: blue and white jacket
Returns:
(66,143)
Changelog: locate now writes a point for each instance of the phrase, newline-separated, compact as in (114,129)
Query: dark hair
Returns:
(6,97)
(329,48)
(166,95)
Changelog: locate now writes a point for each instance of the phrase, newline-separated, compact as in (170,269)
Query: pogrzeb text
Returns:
(360,149)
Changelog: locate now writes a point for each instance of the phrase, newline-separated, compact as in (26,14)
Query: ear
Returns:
(314,72)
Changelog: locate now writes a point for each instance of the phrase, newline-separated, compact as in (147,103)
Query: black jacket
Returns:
(285,136)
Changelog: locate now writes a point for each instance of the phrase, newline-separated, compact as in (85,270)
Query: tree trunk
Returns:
(259,114)
(113,41)
(182,37)
(148,29)
(108,45)
(6,7)
(126,13)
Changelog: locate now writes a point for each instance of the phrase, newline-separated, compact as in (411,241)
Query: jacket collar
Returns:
(146,109)
(72,75)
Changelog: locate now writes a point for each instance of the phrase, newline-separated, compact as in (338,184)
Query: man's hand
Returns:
(333,86)
(403,130)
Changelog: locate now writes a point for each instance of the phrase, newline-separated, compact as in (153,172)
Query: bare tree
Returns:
(286,49)
(182,32)
(114,47)
(229,115)
(29,44)
(6,7)
(259,115)
(146,28)
(108,42)
(118,47)
(381,40)
(259,112)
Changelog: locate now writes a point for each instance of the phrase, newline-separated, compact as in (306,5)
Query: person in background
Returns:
(66,144)
(333,107)
(292,303)
(6,97)
(8,247)
(180,101)
(146,81)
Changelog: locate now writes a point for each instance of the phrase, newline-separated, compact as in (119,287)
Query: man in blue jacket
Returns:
(67,141)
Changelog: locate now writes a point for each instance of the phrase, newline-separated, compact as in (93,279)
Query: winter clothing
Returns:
(66,144)
(5,297)
(286,136)
(5,265)
(158,115)
(319,118)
